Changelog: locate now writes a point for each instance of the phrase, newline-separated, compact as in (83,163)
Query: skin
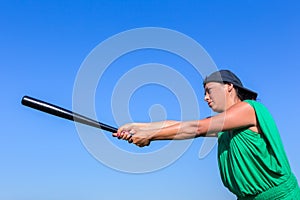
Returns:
(221,98)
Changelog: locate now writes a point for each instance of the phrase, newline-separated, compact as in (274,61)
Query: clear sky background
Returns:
(43,44)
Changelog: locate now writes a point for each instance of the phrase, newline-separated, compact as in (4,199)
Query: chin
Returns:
(217,110)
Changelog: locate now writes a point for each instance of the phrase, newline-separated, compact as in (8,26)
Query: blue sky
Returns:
(43,46)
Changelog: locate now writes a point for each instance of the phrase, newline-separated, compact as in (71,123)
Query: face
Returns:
(215,96)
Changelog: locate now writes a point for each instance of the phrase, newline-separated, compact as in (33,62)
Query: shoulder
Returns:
(247,107)
(240,115)
(257,106)
(254,103)
(243,106)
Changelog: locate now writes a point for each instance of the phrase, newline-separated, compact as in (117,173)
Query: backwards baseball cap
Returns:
(222,76)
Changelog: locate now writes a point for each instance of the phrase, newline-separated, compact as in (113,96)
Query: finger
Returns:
(130,138)
(122,134)
(125,127)
(125,135)
(115,134)
(140,145)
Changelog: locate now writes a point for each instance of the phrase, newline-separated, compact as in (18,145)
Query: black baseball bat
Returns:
(64,113)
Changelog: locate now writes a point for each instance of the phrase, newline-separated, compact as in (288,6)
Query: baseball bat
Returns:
(64,113)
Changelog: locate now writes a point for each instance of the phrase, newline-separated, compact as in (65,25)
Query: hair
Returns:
(242,94)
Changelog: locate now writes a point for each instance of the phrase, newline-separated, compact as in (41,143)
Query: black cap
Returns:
(229,77)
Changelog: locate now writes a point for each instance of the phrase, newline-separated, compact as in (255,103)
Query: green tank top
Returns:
(255,166)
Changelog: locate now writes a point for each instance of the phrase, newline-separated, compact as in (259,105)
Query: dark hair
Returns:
(242,94)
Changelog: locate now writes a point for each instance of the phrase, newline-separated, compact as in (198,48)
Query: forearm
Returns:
(155,125)
(188,130)
(176,131)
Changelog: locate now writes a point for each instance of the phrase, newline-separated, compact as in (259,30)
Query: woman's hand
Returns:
(136,133)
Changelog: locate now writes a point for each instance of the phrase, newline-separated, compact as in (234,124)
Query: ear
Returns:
(230,87)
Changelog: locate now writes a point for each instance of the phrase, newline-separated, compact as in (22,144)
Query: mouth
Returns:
(209,104)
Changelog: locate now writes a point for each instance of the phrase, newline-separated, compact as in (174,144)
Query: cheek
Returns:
(218,98)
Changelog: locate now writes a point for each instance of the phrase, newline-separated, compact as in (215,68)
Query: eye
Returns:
(208,91)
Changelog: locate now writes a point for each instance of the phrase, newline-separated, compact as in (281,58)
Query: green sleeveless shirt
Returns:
(255,166)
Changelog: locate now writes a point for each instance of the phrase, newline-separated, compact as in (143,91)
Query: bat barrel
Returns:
(64,113)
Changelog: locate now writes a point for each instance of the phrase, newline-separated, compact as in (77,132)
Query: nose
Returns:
(206,97)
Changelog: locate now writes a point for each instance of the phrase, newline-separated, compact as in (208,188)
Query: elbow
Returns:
(200,131)
(202,128)
(196,129)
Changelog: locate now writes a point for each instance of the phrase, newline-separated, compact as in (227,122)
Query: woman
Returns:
(251,157)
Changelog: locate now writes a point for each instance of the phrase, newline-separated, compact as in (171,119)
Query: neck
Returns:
(232,100)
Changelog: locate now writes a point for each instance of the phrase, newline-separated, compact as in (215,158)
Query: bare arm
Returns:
(239,115)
